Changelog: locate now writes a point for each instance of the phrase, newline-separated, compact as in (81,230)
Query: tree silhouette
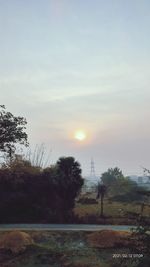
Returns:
(11,131)
(100,194)
(69,182)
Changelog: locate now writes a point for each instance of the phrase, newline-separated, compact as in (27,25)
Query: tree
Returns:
(111,175)
(11,131)
(101,193)
(69,182)
(142,232)
(112,179)
(119,187)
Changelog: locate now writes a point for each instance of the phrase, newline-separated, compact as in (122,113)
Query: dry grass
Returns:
(114,209)
(15,241)
(108,239)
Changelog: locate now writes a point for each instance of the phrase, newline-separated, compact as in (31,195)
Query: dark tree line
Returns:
(30,194)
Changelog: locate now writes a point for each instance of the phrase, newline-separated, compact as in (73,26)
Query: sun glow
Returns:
(80,135)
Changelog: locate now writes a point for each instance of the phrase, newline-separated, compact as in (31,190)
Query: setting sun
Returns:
(80,135)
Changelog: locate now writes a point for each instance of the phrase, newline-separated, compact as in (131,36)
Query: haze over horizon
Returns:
(68,65)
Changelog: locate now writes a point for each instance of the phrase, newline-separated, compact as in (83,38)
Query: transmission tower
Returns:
(92,175)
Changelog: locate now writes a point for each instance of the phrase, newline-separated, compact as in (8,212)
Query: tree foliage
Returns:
(69,180)
(32,194)
(112,175)
(119,187)
(11,131)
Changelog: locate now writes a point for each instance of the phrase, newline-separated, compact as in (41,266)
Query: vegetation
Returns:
(101,193)
(119,187)
(69,182)
(15,241)
(116,212)
(29,192)
(123,201)
(11,131)
(142,232)
(32,194)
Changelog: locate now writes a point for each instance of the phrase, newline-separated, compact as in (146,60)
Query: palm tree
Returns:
(100,194)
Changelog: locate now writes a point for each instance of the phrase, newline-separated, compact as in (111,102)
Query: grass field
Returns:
(113,210)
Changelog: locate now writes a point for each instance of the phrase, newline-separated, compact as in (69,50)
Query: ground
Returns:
(69,249)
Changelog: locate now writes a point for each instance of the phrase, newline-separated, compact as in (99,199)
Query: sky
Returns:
(76,64)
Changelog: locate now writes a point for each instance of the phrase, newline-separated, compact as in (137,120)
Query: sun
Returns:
(80,135)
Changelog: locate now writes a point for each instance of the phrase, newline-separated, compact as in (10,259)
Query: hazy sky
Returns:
(69,64)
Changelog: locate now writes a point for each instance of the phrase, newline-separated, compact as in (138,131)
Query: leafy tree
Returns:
(69,182)
(119,187)
(111,176)
(11,131)
(101,193)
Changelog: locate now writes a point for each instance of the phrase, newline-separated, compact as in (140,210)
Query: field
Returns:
(114,212)
(71,249)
